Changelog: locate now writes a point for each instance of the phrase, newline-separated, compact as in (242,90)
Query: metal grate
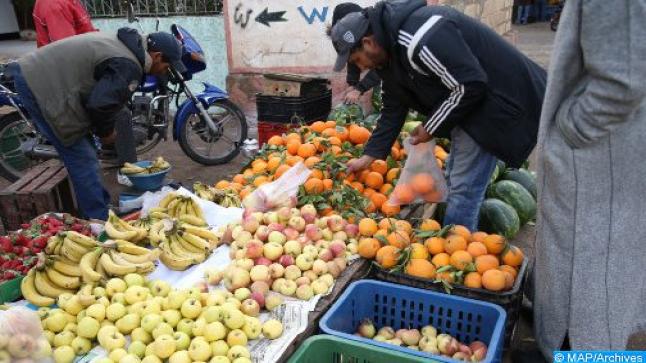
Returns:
(117,8)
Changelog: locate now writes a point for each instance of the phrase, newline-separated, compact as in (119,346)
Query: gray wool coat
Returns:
(589,276)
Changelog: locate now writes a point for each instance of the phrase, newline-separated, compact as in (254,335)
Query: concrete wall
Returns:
(494,13)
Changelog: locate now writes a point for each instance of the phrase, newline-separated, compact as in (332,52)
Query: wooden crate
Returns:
(45,188)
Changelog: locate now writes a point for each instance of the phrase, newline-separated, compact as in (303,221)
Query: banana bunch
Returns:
(186,244)
(226,198)
(159,164)
(117,228)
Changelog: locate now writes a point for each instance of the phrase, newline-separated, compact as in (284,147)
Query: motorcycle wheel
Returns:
(15,135)
(202,145)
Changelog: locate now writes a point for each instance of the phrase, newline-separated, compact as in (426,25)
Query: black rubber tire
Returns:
(184,144)
(4,122)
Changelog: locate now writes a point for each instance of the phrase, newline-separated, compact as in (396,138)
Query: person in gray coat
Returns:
(589,283)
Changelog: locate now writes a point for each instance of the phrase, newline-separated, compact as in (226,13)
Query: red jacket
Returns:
(58,19)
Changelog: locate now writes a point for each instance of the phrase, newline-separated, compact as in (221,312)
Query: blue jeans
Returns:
(540,10)
(523,14)
(80,158)
(468,170)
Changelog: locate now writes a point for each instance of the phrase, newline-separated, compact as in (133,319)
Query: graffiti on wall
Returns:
(280,35)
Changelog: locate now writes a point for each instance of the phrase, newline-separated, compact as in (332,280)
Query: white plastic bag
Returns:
(22,334)
(281,192)
(422,179)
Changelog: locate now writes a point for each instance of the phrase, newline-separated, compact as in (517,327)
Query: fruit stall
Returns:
(290,260)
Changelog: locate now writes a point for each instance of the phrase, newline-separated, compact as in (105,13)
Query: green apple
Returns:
(186,326)
(117,354)
(115,311)
(43,350)
(137,348)
(234,319)
(191,308)
(211,314)
(215,299)
(252,327)
(71,327)
(49,335)
(119,297)
(56,323)
(151,359)
(242,293)
(198,328)
(63,299)
(88,328)
(81,345)
(64,354)
(149,322)
(134,280)
(175,299)
(96,311)
(99,291)
(151,307)
(135,294)
(5,357)
(130,358)
(272,329)
(162,329)
(128,323)
(160,288)
(242,360)
(164,346)
(214,331)
(237,352)
(220,359)
(141,335)
(236,337)
(104,360)
(199,350)
(136,308)
(115,285)
(171,317)
(182,340)
(63,338)
(150,350)
(43,312)
(180,356)
(73,318)
(194,293)
(106,323)
(219,348)
(111,339)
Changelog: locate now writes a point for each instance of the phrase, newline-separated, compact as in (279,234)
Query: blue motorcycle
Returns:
(209,128)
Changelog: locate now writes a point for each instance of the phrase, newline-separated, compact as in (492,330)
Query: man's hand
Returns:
(352,95)
(110,139)
(359,164)
(419,135)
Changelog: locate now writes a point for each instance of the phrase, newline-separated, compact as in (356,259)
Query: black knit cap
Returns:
(344,9)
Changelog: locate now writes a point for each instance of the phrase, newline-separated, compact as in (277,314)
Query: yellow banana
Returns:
(197,209)
(85,295)
(81,239)
(196,241)
(193,220)
(131,248)
(173,205)
(125,226)
(48,288)
(88,266)
(70,253)
(174,262)
(158,215)
(114,233)
(141,268)
(200,232)
(52,243)
(188,246)
(179,248)
(113,268)
(66,267)
(167,199)
(28,289)
(101,271)
(64,281)
(150,257)
(156,234)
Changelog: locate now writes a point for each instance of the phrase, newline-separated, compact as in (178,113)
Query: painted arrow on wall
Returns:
(266,17)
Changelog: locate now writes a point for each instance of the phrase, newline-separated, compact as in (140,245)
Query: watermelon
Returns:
(498,217)
(498,171)
(522,177)
(516,196)
(409,126)
(376,98)
(371,120)
(345,114)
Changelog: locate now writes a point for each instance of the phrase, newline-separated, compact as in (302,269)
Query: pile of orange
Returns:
(485,260)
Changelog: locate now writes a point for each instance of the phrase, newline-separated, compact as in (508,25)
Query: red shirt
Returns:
(58,19)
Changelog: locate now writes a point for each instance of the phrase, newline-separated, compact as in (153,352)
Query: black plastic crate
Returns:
(294,109)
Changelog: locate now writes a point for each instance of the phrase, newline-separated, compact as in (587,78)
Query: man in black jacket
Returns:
(80,86)
(473,85)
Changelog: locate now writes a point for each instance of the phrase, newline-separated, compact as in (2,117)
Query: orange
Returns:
(386,189)
(388,256)
(292,136)
(260,167)
(248,173)
(494,280)
(370,208)
(222,184)
(513,256)
(336,150)
(403,225)
(478,236)
(374,180)
(318,126)
(328,184)
(455,243)
(473,280)
(398,239)
(260,180)
(461,259)
(318,144)
(281,170)
(316,174)
(368,192)
(430,225)
(378,199)
(389,209)
(335,141)
(418,251)
(495,243)
(330,123)
(342,133)
(509,279)
(394,152)
(403,194)
(434,196)
(330,133)
(293,160)
(275,140)
(358,186)
(477,249)
(447,276)
(462,231)
(244,192)
(392,174)
(422,183)
(379,166)
(387,223)
(486,263)
(381,233)
(306,150)
(441,259)
(368,227)
(420,267)
(235,186)
(363,175)
(359,135)
(273,163)
(509,269)
(434,245)
(293,146)
(368,247)
(312,160)
(314,186)
(240,179)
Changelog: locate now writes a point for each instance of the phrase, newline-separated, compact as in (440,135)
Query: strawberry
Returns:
(6,246)
(25,226)
(76,227)
(8,275)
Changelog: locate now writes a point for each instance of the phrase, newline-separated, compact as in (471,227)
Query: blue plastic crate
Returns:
(403,307)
